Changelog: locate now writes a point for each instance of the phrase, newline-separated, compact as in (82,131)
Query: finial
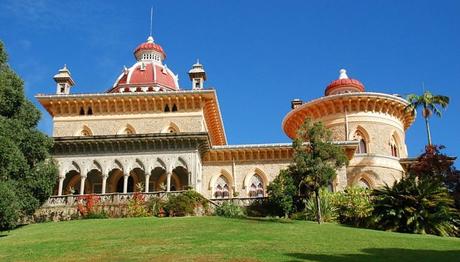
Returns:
(198,61)
(151,20)
(343,74)
(150,39)
(65,66)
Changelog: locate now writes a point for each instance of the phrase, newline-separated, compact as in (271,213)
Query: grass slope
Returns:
(214,238)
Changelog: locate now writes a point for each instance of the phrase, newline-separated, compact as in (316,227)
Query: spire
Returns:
(343,74)
(63,80)
(197,75)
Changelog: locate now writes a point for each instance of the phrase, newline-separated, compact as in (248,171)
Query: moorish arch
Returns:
(395,145)
(362,136)
(220,184)
(255,183)
(365,180)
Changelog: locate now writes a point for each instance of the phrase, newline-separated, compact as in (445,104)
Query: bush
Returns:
(328,210)
(88,207)
(229,209)
(137,206)
(185,203)
(416,205)
(354,206)
(156,206)
(9,207)
(97,215)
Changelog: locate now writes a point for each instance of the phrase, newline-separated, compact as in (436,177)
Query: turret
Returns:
(63,81)
(197,76)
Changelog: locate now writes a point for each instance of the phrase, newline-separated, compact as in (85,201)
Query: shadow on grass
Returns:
(382,254)
(268,219)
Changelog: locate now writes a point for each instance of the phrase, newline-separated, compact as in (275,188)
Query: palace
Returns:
(147,134)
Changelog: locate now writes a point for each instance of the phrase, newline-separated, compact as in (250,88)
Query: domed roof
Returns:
(148,74)
(149,46)
(344,85)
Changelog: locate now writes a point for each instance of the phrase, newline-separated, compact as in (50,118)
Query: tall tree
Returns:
(316,159)
(429,104)
(27,175)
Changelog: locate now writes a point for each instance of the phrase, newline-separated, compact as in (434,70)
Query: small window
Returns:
(90,111)
(174,108)
(167,108)
(197,83)
(82,111)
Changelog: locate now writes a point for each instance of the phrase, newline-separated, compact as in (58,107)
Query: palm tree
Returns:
(429,104)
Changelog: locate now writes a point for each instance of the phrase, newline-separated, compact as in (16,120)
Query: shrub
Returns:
(415,205)
(328,210)
(155,206)
(354,206)
(97,215)
(185,203)
(137,206)
(87,204)
(229,209)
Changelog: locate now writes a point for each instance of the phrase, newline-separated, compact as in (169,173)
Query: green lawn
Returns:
(214,238)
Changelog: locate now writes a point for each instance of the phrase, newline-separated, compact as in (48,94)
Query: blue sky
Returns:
(259,55)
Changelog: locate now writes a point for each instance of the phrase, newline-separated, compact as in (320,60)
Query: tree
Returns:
(281,192)
(429,104)
(27,175)
(316,159)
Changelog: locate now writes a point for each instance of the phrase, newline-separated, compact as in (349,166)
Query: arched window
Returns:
(362,147)
(174,108)
(82,111)
(90,111)
(221,189)
(363,184)
(256,188)
(394,146)
(167,108)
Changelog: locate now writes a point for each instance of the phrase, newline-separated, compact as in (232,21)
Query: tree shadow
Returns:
(268,219)
(382,254)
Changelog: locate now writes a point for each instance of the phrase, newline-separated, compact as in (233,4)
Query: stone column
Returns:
(147,182)
(104,183)
(82,185)
(168,181)
(61,184)
(125,183)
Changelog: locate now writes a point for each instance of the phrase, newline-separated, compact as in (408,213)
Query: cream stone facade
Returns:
(146,134)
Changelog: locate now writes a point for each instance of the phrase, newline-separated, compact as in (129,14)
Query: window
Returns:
(174,108)
(363,184)
(197,83)
(167,108)
(221,189)
(256,188)
(362,147)
(90,111)
(394,147)
(82,111)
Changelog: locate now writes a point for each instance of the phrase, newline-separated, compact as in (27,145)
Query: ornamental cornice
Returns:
(263,152)
(115,144)
(350,102)
(140,103)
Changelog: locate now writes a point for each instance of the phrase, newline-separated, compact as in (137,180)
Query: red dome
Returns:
(149,47)
(145,77)
(344,85)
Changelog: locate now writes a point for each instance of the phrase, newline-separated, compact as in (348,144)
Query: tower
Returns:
(197,75)
(63,81)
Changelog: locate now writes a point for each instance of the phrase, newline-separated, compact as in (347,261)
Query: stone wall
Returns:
(239,175)
(141,123)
